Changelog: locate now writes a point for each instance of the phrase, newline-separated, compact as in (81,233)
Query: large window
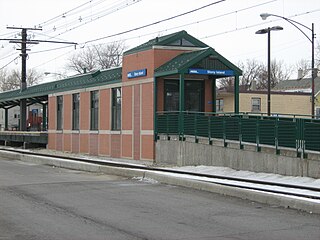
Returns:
(219,105)
(94,113)
(116,109)
(193,95)
(256,104)
(75,111)
(59,112)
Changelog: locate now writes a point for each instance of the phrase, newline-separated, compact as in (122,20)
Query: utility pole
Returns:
(23,86)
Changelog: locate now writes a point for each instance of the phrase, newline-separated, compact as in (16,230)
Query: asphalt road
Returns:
(42,202)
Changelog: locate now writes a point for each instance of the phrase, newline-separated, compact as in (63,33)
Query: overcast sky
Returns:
(228,26)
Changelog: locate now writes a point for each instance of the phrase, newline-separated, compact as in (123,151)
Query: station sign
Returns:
(211,72)
(137,73)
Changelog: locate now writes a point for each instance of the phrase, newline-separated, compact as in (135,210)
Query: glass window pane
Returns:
(116,109)
(75,111)
(59,112)
(94,113)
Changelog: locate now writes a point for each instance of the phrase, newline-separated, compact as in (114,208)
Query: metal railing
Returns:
(289,131)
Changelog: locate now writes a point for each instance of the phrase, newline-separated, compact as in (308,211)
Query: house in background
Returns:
(34,117)
(303,85)
(287,97)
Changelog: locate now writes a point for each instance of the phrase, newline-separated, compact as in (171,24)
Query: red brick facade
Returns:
(135,140)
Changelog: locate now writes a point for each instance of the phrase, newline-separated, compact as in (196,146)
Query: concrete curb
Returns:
(257,196)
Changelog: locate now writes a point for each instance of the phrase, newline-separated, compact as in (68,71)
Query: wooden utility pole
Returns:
(24,41)
(23,86)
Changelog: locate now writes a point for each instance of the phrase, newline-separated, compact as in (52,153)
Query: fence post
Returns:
(240,131)
(258,135)
(195,128)
(276,141)
(224,130)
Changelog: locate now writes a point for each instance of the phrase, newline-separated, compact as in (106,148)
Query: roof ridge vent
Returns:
(96,73)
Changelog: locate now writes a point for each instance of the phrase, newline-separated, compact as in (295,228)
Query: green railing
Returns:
(279,131)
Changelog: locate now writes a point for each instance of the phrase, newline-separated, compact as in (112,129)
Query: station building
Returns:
(113,112)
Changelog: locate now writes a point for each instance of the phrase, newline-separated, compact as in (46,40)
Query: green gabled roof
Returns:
(297,84)
(182,62)
(181,38)
(71,83)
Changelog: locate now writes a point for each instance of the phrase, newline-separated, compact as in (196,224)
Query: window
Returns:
(94,113)
(171,98)
(256,104)
(193,95)
(116,109)
(219,105)
(75,111)
(59,112)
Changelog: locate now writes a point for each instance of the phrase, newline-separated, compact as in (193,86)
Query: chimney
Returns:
(253,85)
(300,71)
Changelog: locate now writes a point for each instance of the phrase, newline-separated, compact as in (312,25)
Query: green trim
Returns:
(214,94)
(181,104)
(181,63)
(167,40)
(155,103)
(40,91)
(173,72)
(236,94)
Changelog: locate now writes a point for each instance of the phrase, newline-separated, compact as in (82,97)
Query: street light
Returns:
(295,24)
(53,73)
(263,31)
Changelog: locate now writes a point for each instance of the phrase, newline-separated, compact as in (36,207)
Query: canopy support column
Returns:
(236,94)
(181,103)
(214,93)
(6,113)
(155,107)
(44,117)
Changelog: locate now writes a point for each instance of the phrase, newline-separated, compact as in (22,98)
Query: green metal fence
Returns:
(281,132)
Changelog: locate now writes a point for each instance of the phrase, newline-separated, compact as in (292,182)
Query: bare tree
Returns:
(251,71)
(227,82)
(110,55)
(82,60)
(12,80)
(278,72)
(303,66)
(97,57)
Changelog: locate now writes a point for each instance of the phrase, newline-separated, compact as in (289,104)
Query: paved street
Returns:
(42,202)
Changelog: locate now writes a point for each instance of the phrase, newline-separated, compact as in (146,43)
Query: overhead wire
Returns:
(258,24)
(9,63)
(207,19)
(67,12)
(155,23)
(115,5)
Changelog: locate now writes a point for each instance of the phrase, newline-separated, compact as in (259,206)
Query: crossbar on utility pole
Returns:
(23,86)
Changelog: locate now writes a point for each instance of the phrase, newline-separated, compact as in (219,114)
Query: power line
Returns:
(97,16)
(9,63)
(226,32)
(67,12)
(258,24)
(157,22)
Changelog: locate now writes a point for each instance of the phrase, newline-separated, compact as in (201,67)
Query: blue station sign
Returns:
(211,72)
(137,73)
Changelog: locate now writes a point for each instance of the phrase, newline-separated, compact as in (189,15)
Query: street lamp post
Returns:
(263,31)
(264,16)
(53,73)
